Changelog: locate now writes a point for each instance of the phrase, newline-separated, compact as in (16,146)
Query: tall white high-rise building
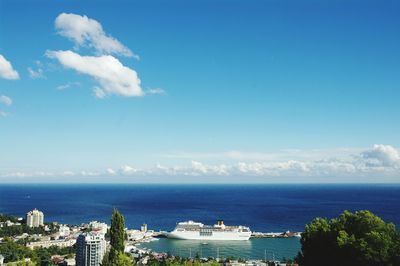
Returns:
(143,228)
(34,218)
(90,249)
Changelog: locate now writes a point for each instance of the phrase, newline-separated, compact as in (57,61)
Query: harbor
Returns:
(138,236)
(286,234)
(260,245)
(255,248)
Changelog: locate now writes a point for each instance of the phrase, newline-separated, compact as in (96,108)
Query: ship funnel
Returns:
(220,222)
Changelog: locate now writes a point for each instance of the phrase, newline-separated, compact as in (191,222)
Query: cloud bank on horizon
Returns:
(381,161)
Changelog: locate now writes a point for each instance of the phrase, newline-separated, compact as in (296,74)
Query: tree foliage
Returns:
(121,259)
(15,230)
(44,254)
(7,217)
(359,238)
(14,252)
(117,235)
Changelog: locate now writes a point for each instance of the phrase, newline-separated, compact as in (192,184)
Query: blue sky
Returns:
(232,91)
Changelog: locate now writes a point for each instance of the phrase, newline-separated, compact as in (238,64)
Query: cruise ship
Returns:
(191,230)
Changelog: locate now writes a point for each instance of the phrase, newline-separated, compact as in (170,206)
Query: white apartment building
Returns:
(64,230)
(34,218)
(90,249)
(98,226)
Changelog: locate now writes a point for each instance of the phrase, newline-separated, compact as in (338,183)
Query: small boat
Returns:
(204,243)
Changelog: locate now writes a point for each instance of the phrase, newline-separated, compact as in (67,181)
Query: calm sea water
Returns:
(258,248)
(262,207)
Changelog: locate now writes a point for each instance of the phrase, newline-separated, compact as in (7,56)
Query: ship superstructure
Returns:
(219,231)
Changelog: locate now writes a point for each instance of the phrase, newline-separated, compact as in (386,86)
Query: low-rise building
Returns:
(60,261)
(70,261)
(134,235)
(9,223)
(98,226)
(62,243)
(64,230)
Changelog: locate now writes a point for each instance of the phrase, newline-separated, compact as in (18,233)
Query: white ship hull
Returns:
(223,235)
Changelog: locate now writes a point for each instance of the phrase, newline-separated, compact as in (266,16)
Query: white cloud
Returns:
(198,168)
(68,173)
(382,155)
(112,76)
(89,173)
(6,69)
(63,87)
(155,91)
(5,100)
(128,170)
(36,74)
(68,85)
(111,171)
(99,93)
(84,31)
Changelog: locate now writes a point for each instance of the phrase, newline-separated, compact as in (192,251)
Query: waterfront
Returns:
(264,208)
(255,248)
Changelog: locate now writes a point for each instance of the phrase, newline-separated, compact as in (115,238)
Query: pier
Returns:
(286,234)
(275,235)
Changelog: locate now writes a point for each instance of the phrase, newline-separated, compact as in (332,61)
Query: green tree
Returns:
(121,259)
(117,235)
(359,238)
(14,252)
(106,259)
(26,263)
(6,217)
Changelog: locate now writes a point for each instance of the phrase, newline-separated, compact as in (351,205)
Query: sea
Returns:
(264,208)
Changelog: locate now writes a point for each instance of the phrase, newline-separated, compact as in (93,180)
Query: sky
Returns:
(200,91)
